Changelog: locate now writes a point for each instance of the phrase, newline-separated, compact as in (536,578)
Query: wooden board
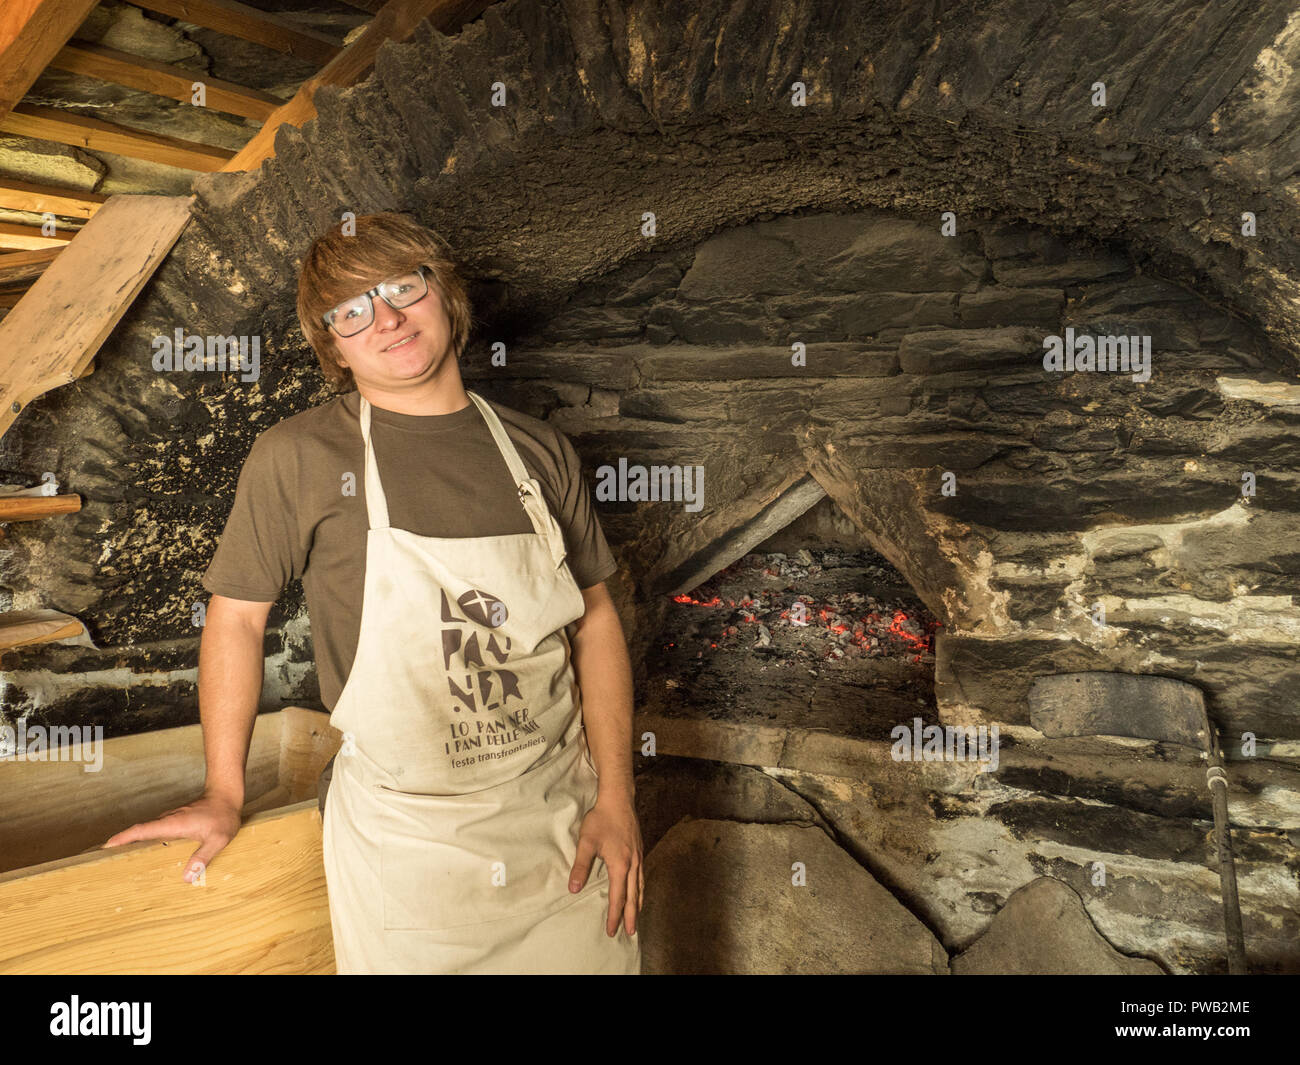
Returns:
(32,238)
(71,203)
(307,744)
(57,327)
(55,809)
(21,267)
(19,628)
(31,32)
(263,908)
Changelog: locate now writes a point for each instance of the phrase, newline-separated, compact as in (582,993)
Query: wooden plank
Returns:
(164,79)
(30,508)
(126,910)
(19,266)
(249,24)
(396,21)
(309,742)
(19,628)
(31,33)
(72,203)
(57,809)
(31,237)
(55,330)
(54,124)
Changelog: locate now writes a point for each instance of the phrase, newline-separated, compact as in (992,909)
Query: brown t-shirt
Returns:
(443,475)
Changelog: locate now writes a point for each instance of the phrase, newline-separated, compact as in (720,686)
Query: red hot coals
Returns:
(814,605)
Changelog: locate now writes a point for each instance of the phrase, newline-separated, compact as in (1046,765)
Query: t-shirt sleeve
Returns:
(590,557)
(260,551)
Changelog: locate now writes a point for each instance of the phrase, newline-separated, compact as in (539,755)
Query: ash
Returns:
(790,628)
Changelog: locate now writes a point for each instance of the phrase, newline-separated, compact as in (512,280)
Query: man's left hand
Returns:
(610,831)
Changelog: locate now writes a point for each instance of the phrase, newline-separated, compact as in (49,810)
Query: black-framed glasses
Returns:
(352,316)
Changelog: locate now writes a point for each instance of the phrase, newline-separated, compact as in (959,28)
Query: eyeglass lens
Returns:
(352,316)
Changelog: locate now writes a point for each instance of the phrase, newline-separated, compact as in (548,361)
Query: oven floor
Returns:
(863,662)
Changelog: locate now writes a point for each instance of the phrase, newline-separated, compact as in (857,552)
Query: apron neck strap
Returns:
(376,502)
(504,444)
(543,522)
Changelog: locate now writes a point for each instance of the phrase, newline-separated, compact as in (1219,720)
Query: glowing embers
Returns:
(814,607)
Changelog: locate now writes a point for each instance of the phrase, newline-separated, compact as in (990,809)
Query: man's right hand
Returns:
(212,820)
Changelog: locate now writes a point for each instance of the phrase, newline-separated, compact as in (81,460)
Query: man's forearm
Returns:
(230,686)
(604,674)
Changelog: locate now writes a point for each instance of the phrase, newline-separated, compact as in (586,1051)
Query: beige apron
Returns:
(451,820)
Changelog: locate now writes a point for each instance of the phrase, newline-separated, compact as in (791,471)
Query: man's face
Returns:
(400,347)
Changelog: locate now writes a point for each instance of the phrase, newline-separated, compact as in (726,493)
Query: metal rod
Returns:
(1217,780)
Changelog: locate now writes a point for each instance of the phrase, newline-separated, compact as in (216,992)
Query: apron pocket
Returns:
(430,887)
(451,861)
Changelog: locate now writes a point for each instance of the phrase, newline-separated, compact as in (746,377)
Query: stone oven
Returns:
(820,256)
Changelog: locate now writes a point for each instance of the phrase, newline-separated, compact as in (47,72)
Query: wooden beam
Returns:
(396,21)
(55,330)
(249,24)
(17,236)
(18,628)
(30,508)
(31,33)
(72,203)
(54,124)
(164,79)
(19,266)
(372,6)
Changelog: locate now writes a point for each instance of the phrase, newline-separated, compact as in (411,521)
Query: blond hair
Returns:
(339,266)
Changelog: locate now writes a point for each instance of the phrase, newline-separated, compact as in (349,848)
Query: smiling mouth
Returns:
(401,343)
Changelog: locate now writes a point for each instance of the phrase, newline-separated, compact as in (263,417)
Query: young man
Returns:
(463,638)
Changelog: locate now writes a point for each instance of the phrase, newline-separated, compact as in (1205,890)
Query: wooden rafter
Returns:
(31,237)
(396,21)
(71,203)
(31,34)
(52,334)
(249,24)
(164,79)
(54,124)
(24,267)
